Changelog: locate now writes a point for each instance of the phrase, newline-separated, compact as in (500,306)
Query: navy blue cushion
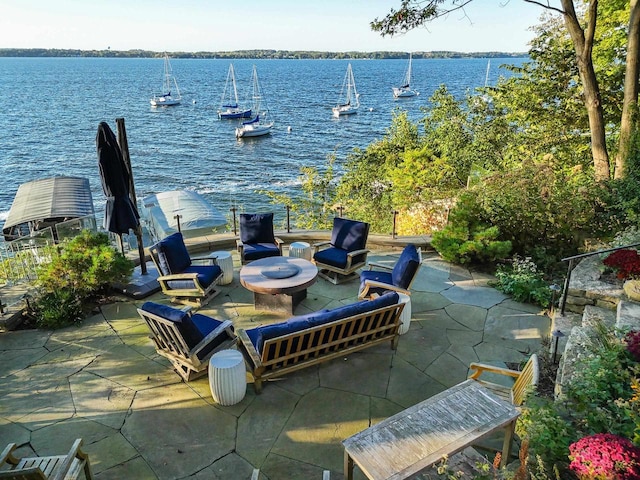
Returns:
(384,277)
(165,311)
(260,250)
(256,228)
(175,253)
(200,326)
(207,274)
(260,334)
(406,268)
(332,256)
(163,263)
(349,235)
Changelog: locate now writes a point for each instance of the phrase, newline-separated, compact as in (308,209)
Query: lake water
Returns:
(51,109)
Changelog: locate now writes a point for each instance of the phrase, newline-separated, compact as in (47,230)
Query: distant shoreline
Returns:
(250,54)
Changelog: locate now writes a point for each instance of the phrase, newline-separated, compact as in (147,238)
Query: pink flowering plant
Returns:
(632,339)
(605,456)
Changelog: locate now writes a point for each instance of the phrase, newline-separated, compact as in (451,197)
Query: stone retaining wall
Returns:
(586,288)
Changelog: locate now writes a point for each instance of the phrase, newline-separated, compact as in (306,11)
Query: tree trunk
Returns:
(631,87)
(583,44)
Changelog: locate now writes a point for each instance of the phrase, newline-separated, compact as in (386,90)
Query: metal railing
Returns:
(574,260)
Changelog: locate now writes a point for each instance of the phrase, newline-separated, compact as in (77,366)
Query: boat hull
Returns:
(402,93)
(234,114)
(253,130)
(340,111)
(164,102)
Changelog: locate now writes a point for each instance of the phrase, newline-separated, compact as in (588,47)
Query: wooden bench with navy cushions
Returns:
(302,341)
(187,339)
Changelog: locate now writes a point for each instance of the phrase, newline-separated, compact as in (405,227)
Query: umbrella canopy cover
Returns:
(120,214)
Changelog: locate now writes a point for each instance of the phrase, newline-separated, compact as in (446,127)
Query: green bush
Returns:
(459,244)
(84,268)
(523,282)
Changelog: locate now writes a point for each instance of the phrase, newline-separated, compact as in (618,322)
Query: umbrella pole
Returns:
(124,148)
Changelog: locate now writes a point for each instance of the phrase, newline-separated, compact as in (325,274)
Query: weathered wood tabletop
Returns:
(413,440)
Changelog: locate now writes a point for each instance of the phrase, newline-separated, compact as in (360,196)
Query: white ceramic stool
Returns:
(300,250)
(227,377)
(225,261)
(405,316)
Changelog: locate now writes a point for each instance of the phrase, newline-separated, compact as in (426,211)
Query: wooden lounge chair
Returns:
(189,281)
(257,239)
(525,380)
(398,278)
(60,467)
(187,340)
(338,259)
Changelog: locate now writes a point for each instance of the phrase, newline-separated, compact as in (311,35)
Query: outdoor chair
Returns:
(525,380)
(180,278)
(188,340)
(338,259)
(60,467)
(257,239)
(398,278)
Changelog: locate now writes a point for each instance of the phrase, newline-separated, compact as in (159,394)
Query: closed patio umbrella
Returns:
(120,214)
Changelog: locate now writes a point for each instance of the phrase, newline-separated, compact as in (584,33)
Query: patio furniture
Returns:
(300,250)
(272,351)
(59,467)
(414,439)
(180,278)
(227,377)
(257,239)
(340,257)
(278,283)
(188,340)
(225,261)
(399,278)
(525,380)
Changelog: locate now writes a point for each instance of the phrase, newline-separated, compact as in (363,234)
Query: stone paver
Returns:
(104,382)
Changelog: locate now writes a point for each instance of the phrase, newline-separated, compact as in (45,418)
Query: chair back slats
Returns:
(23,474)
(526,381)
(166,335)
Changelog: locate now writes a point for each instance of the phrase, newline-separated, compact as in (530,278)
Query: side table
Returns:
(225,261)
(300,250)
(405,316)
(227,377)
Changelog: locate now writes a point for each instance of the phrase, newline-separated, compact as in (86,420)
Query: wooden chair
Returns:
(60,467)
(257,239)
(189,281)
(525,380)
(346,252)
(398,278)
(187,340)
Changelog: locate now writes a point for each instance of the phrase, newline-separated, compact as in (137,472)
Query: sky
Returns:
(217,25)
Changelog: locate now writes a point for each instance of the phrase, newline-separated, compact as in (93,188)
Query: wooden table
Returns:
(413,440)
(278,294)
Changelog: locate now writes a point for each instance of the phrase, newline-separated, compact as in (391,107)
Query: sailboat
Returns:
(404,90)
(261,124)
(170,92)
(349,97)
(486,77)
(229,108)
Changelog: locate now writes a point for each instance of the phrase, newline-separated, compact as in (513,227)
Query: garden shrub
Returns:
(84,268)
(605,456)
(625,262)
(523,282)
(458,244)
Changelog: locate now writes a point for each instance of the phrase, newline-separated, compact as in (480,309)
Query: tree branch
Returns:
(545,5)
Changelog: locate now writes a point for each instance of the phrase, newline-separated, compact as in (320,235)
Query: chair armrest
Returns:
(316,246)
(162,280)
(226,326)
(279,243)
(250,352)
(379,265)
(74,453)
(355,253)
(7,456)
(208,260)
(478,369)
(368,284)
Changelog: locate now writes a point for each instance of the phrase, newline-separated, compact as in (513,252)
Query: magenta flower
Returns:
(633,344)
(605,456)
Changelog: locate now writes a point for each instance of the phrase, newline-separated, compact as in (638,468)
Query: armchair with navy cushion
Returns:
(180,277)
(257,239)
(187,339)
(397,278)
(338,259)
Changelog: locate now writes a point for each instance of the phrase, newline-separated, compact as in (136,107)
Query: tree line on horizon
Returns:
(250,54)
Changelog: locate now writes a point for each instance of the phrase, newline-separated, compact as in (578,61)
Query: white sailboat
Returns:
(486,77)
(349,97)
(229,108)
(170,92)
(261,124)
(404,90)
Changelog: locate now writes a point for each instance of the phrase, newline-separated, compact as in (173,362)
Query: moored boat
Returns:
(349,100)
(229,108)
(261,124)
(170,95)
(404,90)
